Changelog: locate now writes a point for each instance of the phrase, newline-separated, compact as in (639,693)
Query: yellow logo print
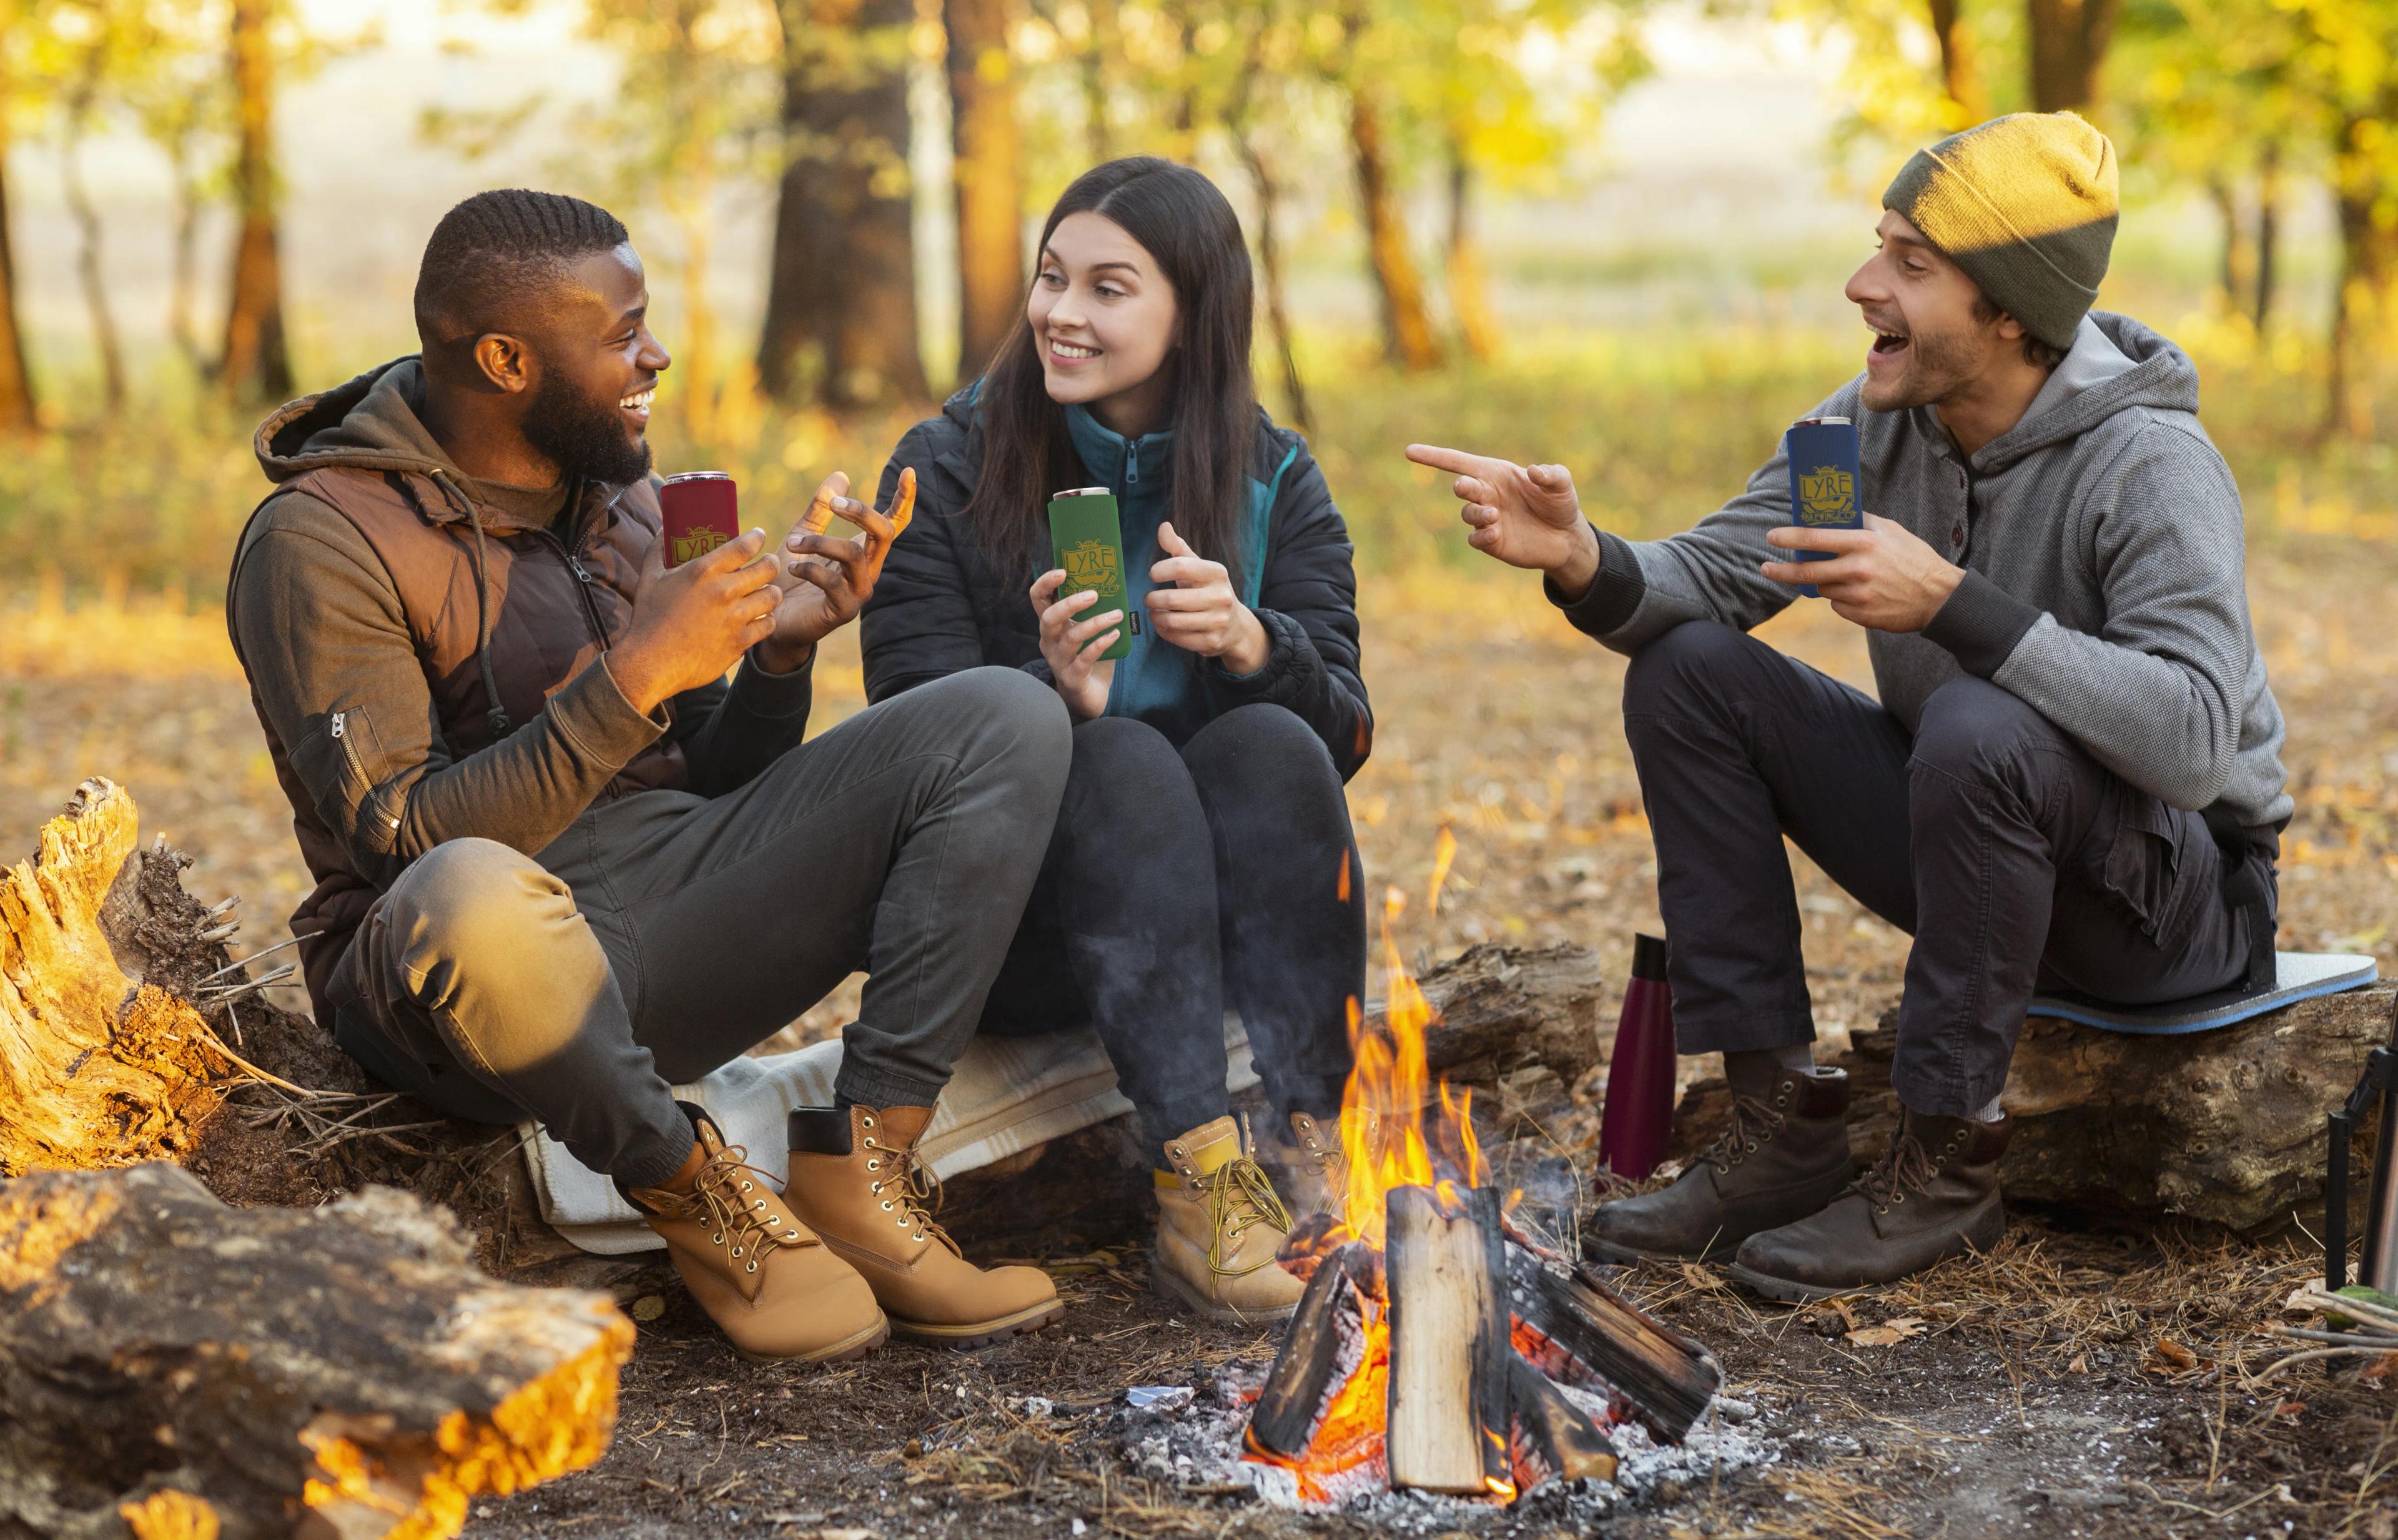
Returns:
(1827,496)
(697,543)
(1091,564)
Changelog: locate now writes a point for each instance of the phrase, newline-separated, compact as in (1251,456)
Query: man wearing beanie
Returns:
(2071,779)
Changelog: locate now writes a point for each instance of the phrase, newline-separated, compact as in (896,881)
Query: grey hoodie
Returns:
(2105,572)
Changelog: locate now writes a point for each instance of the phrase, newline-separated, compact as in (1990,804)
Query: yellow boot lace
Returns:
(734,1204)
(909,1192)
(1240,1196)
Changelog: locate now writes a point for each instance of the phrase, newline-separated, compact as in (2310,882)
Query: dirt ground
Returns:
(2074,1383)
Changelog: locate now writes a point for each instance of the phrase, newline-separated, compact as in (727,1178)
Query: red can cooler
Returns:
(702,511)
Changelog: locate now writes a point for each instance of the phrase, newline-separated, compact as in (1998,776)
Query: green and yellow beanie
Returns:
(2026,205)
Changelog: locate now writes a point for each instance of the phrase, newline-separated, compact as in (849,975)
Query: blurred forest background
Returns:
(1607,232)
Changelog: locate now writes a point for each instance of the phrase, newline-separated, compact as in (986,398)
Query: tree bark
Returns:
(2069,45)
(17,409)
(2366,292)
(1961,73)
(1469,294)
(2267,241)
(1407,338)
(235,1368)
(256,361)
(2239,261)
(844,278)
(2224,1126)
(988,148)
(1270,273)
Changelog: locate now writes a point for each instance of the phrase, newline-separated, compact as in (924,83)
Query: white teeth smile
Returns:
(1067,350)
(640,402)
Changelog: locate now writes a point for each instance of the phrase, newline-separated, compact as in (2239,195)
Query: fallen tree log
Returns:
(339,1372)
(2225,1126)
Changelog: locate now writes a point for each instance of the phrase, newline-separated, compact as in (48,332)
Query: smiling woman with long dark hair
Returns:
(1202,854)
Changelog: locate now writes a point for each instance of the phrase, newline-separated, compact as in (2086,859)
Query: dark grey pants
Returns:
(2016,861)
(1182,879)
(665,934)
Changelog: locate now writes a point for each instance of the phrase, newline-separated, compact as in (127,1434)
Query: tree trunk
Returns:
(2224,1126)
(18,413)
(192,1369)
(185,279)
(2069,45)
(2367,292)
(1406,326)
(844,278)
(257,363)
(1469,295)
(989,146)
(88,271)
(2237,277)
(1270,273)
(1961,73)
(2268,229)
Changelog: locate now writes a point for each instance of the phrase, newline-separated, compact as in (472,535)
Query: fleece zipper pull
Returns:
(1132,463)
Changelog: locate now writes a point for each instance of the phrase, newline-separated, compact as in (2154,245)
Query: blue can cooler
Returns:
(1823,454)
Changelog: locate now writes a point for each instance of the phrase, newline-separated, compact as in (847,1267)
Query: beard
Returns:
(584,436)
(1937,362)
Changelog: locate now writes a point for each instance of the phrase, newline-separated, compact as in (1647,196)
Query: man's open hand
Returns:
(1526,516)
(1881,576)
(824,579)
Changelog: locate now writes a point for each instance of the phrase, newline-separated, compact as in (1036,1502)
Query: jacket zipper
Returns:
(339,729)
(1132,463)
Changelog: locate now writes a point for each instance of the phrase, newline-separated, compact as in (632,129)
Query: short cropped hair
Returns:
(499,249)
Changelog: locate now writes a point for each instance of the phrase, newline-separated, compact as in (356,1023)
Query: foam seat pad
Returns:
(2297,976)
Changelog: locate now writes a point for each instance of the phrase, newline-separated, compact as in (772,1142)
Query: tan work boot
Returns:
(856,1177)
(761,1276)
(1318,1165)
(1218,1227)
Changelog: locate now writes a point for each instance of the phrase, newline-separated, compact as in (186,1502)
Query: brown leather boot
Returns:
(1784,1155)
(1220,1223)
(855,1176)
(1932,1196)
(765,1278)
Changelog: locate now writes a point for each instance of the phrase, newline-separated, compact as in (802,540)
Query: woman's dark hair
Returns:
(1180,219)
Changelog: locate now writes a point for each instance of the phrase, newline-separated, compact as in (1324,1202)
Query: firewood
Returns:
(1504,1009)
(1577,1330)
(2224,1126)
(1449,1352)
(1324,1346)
(1550,1439)
(344,1367)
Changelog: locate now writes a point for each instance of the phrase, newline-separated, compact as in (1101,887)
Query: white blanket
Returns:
(1008,1094)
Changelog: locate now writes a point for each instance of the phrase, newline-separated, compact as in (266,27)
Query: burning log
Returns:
(1501,1010)
(1449,1352)
(1576,1330)
(1550,1438)
(1321,1352)
(345,1367)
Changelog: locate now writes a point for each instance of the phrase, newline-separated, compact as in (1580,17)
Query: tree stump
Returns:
(2225,1125)
(336,1372)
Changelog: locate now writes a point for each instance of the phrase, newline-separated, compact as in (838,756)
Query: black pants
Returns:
(1179,881)
(2016,861)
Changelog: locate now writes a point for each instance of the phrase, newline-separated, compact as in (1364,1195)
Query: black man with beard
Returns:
(561,863)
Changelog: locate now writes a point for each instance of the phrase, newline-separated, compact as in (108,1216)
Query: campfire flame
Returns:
(1384,1137)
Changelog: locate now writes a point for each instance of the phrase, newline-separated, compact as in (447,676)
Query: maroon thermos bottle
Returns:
(1638,1118)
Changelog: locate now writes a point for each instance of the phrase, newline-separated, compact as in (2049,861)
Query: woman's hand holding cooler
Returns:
(824,579)
(1526,516)
(1192,607)
(1072,643)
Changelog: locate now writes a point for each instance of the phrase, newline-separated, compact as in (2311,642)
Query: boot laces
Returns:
(734,1204)
(914,1192)
(1905,1168)
(1239,1197)
(1753,1121)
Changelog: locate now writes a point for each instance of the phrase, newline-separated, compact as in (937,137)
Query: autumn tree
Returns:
(20,21)
(987,150)
(255,364)
(841,286)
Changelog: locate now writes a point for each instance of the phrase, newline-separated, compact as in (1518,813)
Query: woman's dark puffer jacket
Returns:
(943,605)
